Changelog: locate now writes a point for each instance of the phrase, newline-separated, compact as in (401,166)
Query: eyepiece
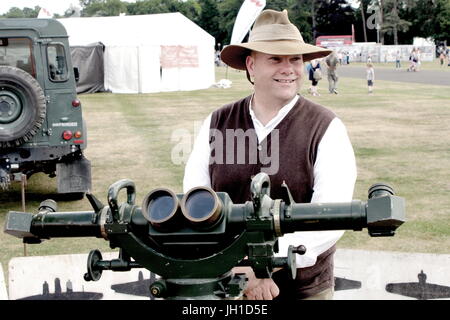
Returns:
(160,207)
(201,206)
(48,205)
(380,190)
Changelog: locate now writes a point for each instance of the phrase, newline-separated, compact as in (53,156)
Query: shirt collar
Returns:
(278,117)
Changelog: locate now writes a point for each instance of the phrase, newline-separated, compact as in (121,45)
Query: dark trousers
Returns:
(309,282)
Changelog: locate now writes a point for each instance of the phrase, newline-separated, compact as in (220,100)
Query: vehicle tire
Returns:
(22,106)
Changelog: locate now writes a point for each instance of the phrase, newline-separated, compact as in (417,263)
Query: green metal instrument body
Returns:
(193,240)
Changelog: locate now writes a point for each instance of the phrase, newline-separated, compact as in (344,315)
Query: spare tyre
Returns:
(22,106)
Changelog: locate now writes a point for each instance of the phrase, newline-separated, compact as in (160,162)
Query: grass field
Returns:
(400,134)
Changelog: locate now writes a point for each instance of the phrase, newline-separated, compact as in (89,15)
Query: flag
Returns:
(44,13)
(247,14)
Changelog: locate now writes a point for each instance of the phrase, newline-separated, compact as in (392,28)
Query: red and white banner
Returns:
(44,13)
(179,57)
(247,14)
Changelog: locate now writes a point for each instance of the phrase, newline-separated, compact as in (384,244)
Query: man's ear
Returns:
(249,63)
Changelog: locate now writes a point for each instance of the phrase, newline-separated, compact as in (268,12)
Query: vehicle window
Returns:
(17,52)
(57,65)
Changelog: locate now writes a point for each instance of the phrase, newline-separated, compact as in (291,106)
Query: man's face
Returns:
(277,78)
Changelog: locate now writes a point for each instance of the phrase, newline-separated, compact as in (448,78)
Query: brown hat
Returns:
(272,33)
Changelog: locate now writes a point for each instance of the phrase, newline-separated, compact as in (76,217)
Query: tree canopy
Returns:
(399,21)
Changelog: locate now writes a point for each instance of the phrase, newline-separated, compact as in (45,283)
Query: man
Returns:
(332,62)
(398,57)
(308,145)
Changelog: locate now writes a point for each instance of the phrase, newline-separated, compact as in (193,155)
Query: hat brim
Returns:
(234,55)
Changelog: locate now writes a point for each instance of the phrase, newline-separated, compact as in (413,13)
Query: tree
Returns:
(429,19)
(334,17)
(209,20)
(302,14)
(365,22)
(362,8)
(15,12)
(72,11)
(190,8)
(313,18)
(392,23)
(442,32)
(102,7)
(228,10)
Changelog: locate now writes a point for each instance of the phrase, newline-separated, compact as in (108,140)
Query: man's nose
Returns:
(286,67)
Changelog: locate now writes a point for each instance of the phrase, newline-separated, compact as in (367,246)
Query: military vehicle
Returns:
(41,123)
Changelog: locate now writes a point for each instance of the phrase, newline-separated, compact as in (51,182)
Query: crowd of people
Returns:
(331,62)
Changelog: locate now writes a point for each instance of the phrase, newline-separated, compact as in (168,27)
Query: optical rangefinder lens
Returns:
(160,207)
(200,204)
(201,207)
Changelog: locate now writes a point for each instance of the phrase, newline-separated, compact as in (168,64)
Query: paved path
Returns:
(433,77)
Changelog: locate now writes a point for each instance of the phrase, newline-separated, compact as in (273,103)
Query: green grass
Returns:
(400,134)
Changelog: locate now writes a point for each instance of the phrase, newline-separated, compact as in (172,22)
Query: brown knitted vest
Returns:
(287,154)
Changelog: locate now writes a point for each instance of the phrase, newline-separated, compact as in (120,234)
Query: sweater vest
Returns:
(287,154)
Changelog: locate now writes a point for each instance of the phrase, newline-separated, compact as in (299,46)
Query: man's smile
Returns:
(285,80)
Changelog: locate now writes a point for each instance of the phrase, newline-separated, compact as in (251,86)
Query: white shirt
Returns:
(370,74)
(334,178)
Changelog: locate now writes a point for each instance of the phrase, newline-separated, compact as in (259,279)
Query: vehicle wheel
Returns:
(22,106)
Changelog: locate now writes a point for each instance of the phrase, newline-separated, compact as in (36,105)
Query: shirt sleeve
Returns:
(196,172)
(334,180)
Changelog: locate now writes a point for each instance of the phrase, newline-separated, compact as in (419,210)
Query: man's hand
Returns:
(261,289)
(258,289)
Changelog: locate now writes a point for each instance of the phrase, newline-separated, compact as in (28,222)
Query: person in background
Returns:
(397,60)
(370,75)
(332,62)
(314,75)
(413,61)
(442,58)
(309,149)
(418,59)
(447,54)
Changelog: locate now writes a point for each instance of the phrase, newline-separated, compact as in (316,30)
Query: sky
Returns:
(54,6)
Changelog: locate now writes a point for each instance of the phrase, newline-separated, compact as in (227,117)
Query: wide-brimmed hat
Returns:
(272,33)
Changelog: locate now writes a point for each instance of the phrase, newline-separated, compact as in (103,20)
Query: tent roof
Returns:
(152,29)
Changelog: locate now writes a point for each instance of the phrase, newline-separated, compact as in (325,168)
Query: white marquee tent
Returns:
(148,53)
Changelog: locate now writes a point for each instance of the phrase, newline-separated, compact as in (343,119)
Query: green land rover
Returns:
(41,123)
